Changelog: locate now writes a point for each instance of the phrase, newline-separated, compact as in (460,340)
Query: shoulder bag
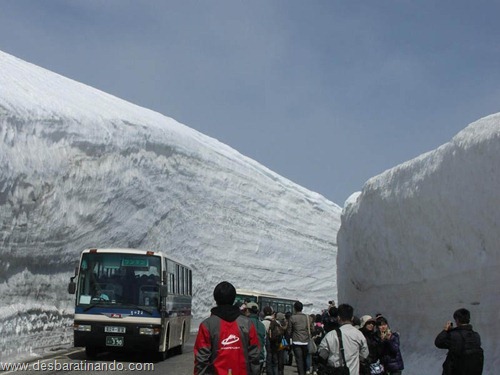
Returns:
(324,369)
(311,345)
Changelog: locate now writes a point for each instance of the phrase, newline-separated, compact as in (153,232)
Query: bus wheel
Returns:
(179,349)
(162,355)
(91,351)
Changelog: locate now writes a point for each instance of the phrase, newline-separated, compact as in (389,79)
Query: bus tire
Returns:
(161,356)
(179,349)
(91,351)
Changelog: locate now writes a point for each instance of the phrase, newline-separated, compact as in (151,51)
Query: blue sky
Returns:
(325,93)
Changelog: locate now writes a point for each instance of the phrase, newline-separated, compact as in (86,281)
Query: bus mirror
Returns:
(163,291)
(72,284)
(71,287)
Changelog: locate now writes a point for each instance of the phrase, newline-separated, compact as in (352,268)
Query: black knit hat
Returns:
(224,293)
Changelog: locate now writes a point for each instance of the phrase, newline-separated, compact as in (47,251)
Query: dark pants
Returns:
(271,361)
(289,356)
(281,362)
(300,352)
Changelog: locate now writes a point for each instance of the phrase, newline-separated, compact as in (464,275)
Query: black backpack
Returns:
(470,359)
(274,334)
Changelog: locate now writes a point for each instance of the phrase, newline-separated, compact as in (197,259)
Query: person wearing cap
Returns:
(368,329)
(280,317)
(227,341)
(288,337)
(390,348)
(252,311)
(271,352)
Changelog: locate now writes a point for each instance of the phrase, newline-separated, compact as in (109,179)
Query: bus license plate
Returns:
(114,341)
(114,329)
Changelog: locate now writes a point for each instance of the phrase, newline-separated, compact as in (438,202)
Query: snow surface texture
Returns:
(421,240)
(80,168)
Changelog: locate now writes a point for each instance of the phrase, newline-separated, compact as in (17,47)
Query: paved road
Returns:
(74,362)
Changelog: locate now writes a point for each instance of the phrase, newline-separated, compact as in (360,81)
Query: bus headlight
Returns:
(82,327)
(149,331)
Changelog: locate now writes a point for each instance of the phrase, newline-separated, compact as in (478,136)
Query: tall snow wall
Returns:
(80,168)
(423,239)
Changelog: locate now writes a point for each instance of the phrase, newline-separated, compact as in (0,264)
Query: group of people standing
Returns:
(365,346)
(238,340)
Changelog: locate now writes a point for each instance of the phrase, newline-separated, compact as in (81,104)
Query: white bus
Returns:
(129,299)
(279,304)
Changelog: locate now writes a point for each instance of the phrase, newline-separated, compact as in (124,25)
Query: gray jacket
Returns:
(297,328)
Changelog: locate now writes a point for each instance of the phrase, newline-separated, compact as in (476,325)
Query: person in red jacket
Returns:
(227,342)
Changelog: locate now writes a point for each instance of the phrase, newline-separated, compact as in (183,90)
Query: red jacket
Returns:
(226,340)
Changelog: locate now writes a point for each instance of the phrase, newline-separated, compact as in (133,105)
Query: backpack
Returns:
(470,359)
(274,334)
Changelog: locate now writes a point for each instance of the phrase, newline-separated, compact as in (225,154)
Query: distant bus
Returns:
(129,299)
(279,304)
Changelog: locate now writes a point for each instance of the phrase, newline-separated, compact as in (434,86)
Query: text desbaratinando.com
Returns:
(77,366)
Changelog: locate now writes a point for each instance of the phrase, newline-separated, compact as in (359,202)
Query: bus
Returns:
(128,299)
(263,299)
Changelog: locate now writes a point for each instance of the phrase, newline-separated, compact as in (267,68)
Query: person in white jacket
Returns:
(354,342)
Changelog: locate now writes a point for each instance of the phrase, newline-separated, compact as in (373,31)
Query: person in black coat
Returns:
(465,355)
(390,355)
(330,319)
(368,328)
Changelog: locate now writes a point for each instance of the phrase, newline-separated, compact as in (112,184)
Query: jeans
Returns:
(301,352)
(272,363)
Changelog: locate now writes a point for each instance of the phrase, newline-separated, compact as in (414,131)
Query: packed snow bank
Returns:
(80,168)
(422,240)
(37,318)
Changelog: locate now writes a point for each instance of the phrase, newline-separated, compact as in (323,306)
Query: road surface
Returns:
(75,362)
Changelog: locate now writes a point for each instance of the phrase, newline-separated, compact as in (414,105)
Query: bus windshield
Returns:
(119,279)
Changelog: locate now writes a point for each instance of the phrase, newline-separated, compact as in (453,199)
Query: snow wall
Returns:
(80,168)
(422,240)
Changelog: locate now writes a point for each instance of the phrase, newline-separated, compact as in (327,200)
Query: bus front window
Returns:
(119,279)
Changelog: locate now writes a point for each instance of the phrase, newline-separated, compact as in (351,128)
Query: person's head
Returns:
(368,323)
(356,322)
(333,312)
(298,306)
(280,317)
(268,311)
(382,323)
(462,316)
(224,293)
(243,309)
(252,307)
(345,312)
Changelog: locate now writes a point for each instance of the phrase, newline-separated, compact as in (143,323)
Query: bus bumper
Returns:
(117,337)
